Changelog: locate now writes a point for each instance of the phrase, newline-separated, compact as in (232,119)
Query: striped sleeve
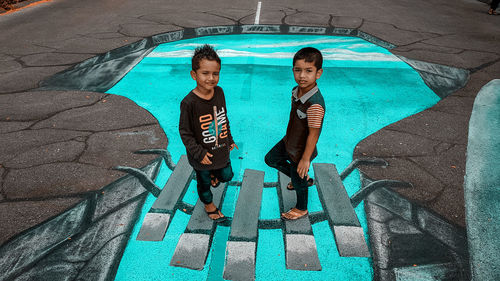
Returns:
(315,115)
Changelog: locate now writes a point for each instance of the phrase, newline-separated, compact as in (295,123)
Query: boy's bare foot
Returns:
(214,213)
(294,214)
(310,182)
(492,12)
(214,182)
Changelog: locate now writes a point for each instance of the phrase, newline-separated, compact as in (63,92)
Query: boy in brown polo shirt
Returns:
(293,154)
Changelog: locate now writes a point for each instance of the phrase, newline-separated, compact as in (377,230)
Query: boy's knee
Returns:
(227,176)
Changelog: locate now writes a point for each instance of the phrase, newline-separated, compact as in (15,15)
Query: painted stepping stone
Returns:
(241,248)
(194,244)
(300,252)
(158,219)
(340,213)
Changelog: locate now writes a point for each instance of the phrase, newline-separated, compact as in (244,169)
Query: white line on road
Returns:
(257,13)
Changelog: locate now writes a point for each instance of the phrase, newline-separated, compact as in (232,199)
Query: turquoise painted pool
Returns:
(365,88)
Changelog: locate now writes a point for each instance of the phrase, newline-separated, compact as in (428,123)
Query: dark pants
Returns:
(203,181)
(278,158)
(494,4)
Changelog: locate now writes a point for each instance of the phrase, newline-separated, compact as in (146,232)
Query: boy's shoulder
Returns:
(188,98)
(317,98)
(218,89)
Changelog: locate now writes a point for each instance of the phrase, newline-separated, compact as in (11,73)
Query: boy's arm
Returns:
(187,136)
(229,135)
(305,161)
(315,114)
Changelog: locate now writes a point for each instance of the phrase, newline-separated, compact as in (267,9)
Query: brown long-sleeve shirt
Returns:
(199,133)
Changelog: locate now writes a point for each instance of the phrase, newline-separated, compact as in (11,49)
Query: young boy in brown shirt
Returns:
(204,128)
(293,154)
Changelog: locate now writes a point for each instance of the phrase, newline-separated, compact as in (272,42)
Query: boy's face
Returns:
(207,76)
(306,74)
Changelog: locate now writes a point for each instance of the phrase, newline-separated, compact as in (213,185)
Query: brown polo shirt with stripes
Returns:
(307,112)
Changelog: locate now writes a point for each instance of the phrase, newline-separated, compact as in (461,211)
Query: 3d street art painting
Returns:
(164,234)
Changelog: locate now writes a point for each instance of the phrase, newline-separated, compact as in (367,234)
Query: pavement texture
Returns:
(57,146)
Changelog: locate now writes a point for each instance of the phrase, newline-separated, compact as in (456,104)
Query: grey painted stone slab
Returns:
(378,241)
(240,260)
(300,246)
(23,251)
(307,29)
(199,221)
(50,270)
(93,253)
(375,40)
(350,241)
(122,190)
(176,186)
(391,201)
(117,53)
(17,216)
(86,244)
(102,265)
(442,79)
(95,75)
(260,28)
(430,272)
(288,200)
(191,251)
(154,227)
(168,37)
(301,252)
(482,181)
(246,214)
(344,31)
(213,30)
(334,197)
(442,230)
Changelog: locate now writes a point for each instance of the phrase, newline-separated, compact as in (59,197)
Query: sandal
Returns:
(214,182)
(293,215)
(221,217)
(310,182)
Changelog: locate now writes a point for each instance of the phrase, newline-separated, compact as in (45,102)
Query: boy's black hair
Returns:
(309,54)
(204,52)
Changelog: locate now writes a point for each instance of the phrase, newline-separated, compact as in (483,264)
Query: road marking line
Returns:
(257,13)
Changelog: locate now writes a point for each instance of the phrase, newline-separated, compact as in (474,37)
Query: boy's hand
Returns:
(206,160)
(233,146)
(303,168)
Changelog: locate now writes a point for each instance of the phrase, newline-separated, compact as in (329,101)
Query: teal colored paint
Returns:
(365,88)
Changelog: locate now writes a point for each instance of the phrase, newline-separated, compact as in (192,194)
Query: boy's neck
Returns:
(204,93)
(303,91)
